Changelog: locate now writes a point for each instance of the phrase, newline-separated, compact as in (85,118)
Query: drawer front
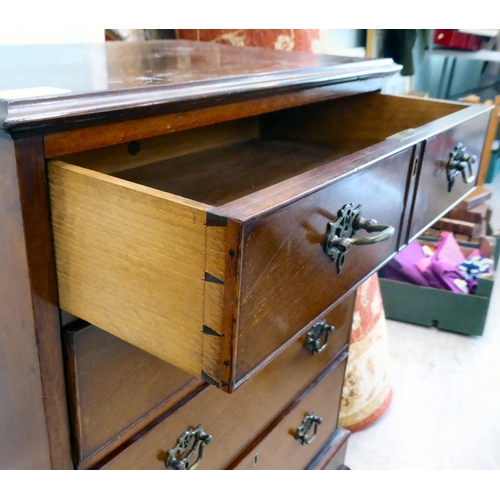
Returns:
(433,199)
(301,434)
(287,280)
(234,420)
(116,389)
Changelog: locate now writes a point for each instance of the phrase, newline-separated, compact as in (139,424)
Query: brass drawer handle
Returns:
(302,434)
(339,238)
(460,162)
(193,440)
(314,340)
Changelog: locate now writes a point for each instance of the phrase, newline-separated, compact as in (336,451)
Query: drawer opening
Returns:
(221,163)
(225,174)
(179,244)
(212,165)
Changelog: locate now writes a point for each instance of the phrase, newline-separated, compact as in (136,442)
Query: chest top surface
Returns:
(43,83)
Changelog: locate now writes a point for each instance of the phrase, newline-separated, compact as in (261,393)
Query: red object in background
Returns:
(279,39)
(453,39)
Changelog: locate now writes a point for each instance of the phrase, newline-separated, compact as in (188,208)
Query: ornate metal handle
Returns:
(320,331)
(460,162)
(193,440)
(339,238)
(302,433)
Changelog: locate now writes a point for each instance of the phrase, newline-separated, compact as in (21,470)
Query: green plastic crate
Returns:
(448,311)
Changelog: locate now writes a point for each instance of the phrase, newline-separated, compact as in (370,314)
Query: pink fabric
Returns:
(423,264)
(442,271)
(448,251)
(476,253)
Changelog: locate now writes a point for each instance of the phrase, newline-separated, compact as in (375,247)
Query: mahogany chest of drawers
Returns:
(183,231)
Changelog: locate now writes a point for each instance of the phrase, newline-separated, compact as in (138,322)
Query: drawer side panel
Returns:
(130,262)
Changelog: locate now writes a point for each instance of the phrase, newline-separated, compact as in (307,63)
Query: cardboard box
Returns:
(445,310)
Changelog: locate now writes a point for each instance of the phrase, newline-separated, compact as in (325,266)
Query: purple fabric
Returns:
(439,271)
(472,286)
(442,275)
(403,266)
(447,250)
(443,271)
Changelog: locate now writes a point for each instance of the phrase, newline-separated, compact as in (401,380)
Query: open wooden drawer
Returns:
(212,248)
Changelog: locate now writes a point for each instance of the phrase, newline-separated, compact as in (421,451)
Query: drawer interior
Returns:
(115,390)
(221,163)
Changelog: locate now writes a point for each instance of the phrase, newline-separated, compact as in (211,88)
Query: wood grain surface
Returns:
(133,128)
(44,293)
(136,153)
(327,126)
(137,79)
(224,283)
(279,449)
(23,432)
(275,192)
(130,261)
(357,121)
(227,173)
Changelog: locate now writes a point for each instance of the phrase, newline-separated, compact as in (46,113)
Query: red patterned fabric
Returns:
(300,40)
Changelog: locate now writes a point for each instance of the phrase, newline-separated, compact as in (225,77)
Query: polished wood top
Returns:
(97,79)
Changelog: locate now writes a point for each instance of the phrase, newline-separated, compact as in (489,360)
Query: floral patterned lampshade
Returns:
(367,392)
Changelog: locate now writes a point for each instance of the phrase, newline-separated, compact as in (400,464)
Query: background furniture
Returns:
(183,222)
(487,171)
(453,55)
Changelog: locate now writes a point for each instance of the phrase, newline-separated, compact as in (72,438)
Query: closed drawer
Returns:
(434,194)
(301,434)
(235,420)
(115,390)
(213,259)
